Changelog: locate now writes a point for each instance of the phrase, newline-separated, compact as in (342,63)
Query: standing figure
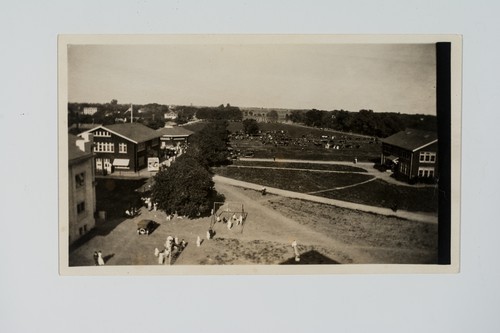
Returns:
(229,224)
(296,250)
(96,256)
(161,257)
(100,260)
(198,241)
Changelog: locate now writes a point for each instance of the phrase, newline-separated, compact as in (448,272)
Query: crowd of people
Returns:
(171,250)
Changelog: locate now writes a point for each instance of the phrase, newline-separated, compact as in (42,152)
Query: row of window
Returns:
(426,156)
(426,172)
(102,134)
(109,147)
(403,168)
(104,147)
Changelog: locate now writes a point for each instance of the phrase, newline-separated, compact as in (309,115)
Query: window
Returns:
(425,172)
(80,208)
(80,180)
(122,148)
(102,134)
(428,157)
(98,163)
(104,147)
(403,168)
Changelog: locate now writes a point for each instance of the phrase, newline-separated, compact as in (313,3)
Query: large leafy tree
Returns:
(185,188)
(209,146)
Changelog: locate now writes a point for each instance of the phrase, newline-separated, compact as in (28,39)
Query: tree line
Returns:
(151,115)
(364,122)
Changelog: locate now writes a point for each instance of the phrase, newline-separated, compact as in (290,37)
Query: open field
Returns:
(326,184)
(293,165)
(293,180)
(291,141)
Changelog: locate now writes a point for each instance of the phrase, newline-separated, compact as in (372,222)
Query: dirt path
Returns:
(264,223)
(413,216)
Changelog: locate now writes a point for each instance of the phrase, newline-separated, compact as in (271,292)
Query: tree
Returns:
(272,116)
(313,118)
(250,126)
(209,146)
(297,116)
(185,188)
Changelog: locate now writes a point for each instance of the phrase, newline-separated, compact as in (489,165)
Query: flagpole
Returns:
(131,113)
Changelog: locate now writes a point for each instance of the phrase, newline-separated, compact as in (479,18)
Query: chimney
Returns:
(85,142)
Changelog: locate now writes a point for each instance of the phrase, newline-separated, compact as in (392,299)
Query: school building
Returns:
(411,154)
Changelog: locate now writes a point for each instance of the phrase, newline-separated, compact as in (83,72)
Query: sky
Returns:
(380,77)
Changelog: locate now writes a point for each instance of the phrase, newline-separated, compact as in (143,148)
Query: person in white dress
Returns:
(100,260)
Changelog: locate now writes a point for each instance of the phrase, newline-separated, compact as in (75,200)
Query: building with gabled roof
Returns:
(174,138)
(411,154)
(124,146)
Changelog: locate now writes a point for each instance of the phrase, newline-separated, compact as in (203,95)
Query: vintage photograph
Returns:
(288,154)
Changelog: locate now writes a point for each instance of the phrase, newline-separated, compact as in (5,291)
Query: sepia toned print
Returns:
(259,154)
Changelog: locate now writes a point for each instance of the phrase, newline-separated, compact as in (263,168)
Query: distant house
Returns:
(124,146)
(411,154)
(174,137)
(81,182)
(170,115)
(90,110)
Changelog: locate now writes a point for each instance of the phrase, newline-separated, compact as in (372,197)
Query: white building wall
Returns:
(81,223)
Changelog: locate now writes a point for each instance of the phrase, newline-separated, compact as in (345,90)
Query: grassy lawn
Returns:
(312,166)
(292,180)
(382,194)
(390,239)
(376,193)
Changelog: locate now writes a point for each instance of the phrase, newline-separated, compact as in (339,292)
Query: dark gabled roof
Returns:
(133,131)
(174,131)
(74,152)
(411,139)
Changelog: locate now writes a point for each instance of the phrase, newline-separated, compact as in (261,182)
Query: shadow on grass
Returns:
(311,257)
(109,256)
